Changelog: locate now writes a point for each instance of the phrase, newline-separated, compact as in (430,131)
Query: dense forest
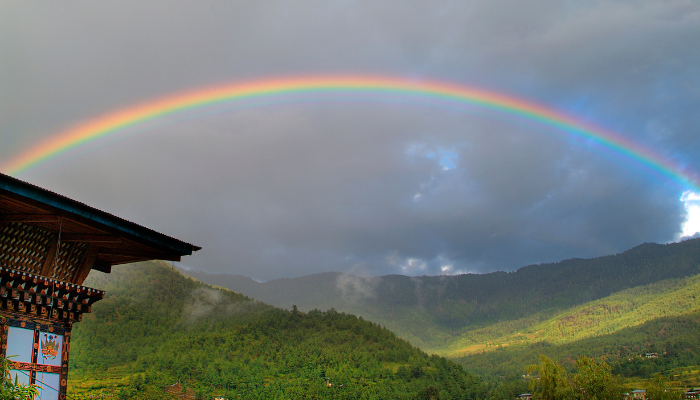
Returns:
(157,327)
(616,308)
(436,312)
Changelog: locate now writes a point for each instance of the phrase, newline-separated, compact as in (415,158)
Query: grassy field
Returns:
(99,384)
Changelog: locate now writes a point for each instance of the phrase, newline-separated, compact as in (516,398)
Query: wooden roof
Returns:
(115,240)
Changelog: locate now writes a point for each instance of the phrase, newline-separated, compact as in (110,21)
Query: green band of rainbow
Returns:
(334,87)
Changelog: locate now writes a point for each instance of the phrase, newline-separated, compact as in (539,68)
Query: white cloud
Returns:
(691,201)
(412,266)
(447,266)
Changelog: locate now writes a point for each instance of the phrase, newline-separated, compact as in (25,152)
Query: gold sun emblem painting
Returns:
(49,347)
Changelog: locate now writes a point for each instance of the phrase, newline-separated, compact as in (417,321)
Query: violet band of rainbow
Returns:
(332,88)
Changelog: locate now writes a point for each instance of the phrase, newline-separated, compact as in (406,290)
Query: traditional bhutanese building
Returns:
(48,246)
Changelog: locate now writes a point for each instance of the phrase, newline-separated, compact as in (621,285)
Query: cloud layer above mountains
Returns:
(289,190)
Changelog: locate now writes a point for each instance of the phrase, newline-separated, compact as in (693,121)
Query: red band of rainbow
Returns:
(329,88)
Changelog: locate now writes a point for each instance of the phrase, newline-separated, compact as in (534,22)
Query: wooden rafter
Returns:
(36,218)
(50,256)
(36,221)
(89,238)
(85,266)
(138,254)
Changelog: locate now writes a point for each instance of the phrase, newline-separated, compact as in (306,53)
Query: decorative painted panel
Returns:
(50,349)
(49,299)
(41,349)
(23,247)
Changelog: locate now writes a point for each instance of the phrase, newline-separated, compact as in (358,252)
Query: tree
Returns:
(592,381)
(551,383)
(429,393)
(595,381)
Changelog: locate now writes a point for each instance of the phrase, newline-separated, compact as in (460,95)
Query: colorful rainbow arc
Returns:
(345,87)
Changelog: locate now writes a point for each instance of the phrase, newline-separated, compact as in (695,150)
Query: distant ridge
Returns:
(156,327)
(279,292)
(431,311)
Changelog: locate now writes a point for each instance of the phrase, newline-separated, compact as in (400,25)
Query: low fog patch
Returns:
(205,301)
(355,288)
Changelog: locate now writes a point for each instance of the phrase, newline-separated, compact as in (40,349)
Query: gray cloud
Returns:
(288,190)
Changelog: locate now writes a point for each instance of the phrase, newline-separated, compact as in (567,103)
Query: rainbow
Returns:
(333,88)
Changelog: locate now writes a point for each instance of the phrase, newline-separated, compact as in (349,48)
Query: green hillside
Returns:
(157,327)
(456,315)
(627,308)
(661,318)
(617,307)
(674,339)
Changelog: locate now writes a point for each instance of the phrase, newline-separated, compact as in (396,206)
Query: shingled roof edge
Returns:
(63,203)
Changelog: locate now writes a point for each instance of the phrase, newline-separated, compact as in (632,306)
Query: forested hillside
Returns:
(157,327)
(675,341)
(435,313)
(627,308)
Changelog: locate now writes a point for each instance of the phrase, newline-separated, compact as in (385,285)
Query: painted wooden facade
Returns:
(48,246)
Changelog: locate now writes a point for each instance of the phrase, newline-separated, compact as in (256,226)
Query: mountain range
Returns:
(159,330)
(463,315)
(336,335)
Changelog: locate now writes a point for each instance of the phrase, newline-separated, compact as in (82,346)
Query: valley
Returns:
(456,316)
(467,336)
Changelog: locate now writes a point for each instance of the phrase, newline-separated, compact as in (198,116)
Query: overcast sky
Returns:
(367,188)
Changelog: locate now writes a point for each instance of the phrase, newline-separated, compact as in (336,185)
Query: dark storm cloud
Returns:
(295,189)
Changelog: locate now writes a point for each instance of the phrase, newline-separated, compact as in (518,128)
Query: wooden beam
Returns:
(129,260)
(50,257)
(29,218)
(102,266)
(88,238)
(86,263)
(149,255)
